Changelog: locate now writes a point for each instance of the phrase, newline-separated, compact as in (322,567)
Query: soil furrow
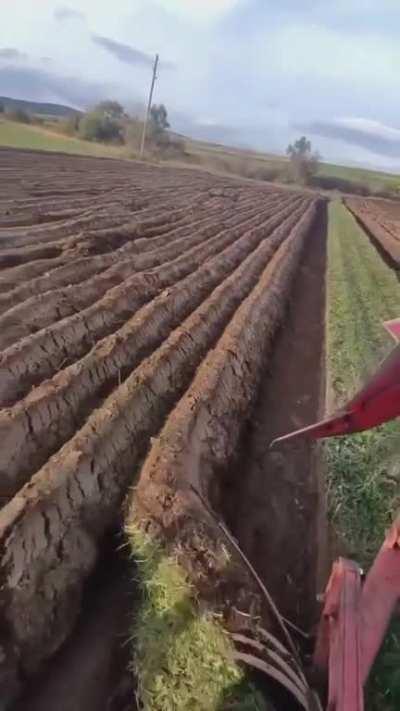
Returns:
(44,309)
(85,243)
(267,488)
(100,241)
(198,444)
(22,365)
(70,273)
(39,311)
(78,492)
(30,217)
(386,242)
(99,218)
(19,237)
(36,427)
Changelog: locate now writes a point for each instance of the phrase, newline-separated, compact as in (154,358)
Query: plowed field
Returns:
(139,309)
(381,220)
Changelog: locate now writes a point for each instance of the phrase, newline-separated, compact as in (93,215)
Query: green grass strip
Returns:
(363,470)
(19,135)
(182,655)
(373,179)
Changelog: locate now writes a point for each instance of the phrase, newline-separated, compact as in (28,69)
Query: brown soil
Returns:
(199,441)
(40,423)
(90,672)
(72,499)
(383,232)
(23,365)
(125,287)
(273,505)
(167,265)
(387,208)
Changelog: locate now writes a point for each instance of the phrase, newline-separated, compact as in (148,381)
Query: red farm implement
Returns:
(357,611)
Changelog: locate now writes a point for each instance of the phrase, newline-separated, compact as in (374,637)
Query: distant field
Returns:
(19,135)
(375,179)
(253,162)
(217,148)
(214,157)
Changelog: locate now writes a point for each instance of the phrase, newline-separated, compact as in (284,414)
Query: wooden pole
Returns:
(146,119)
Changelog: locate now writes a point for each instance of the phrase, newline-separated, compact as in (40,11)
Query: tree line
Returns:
(109,122)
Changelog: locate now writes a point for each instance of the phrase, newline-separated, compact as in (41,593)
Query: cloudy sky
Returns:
(254,73)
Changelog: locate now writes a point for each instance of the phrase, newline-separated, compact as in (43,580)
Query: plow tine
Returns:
(376,403)
(272,640)
(280,648)
(275,674)
(249,642)
(326,428)
(274,657)
(287,669)
(254,574)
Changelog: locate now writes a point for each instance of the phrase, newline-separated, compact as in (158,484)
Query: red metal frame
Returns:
(338,648)
(356,615)
(354,622)
(381,592)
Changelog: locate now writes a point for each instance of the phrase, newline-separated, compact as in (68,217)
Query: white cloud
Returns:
(369,126)
(199,10)
(63,12)
(206,121)
(318,51)
(252,66)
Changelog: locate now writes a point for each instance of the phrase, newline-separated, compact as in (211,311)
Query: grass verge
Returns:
(363,471)
(19,135)
(374,180)
(182,655)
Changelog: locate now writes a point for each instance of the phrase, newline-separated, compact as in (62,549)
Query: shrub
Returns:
(133,133)
(166,147)
(70,125)
(268,173)
(96,126)
(18,115)
(344,185)
(38,120)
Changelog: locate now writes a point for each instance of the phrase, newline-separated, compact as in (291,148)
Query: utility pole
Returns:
(146,119)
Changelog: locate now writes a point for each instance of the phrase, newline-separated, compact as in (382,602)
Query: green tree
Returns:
(304,162)
(111,108)
(1,108)
(158,120)
(97,126)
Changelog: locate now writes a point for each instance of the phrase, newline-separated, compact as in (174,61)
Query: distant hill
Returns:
(38,108)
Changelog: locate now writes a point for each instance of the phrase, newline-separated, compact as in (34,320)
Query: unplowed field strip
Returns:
(134,300)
